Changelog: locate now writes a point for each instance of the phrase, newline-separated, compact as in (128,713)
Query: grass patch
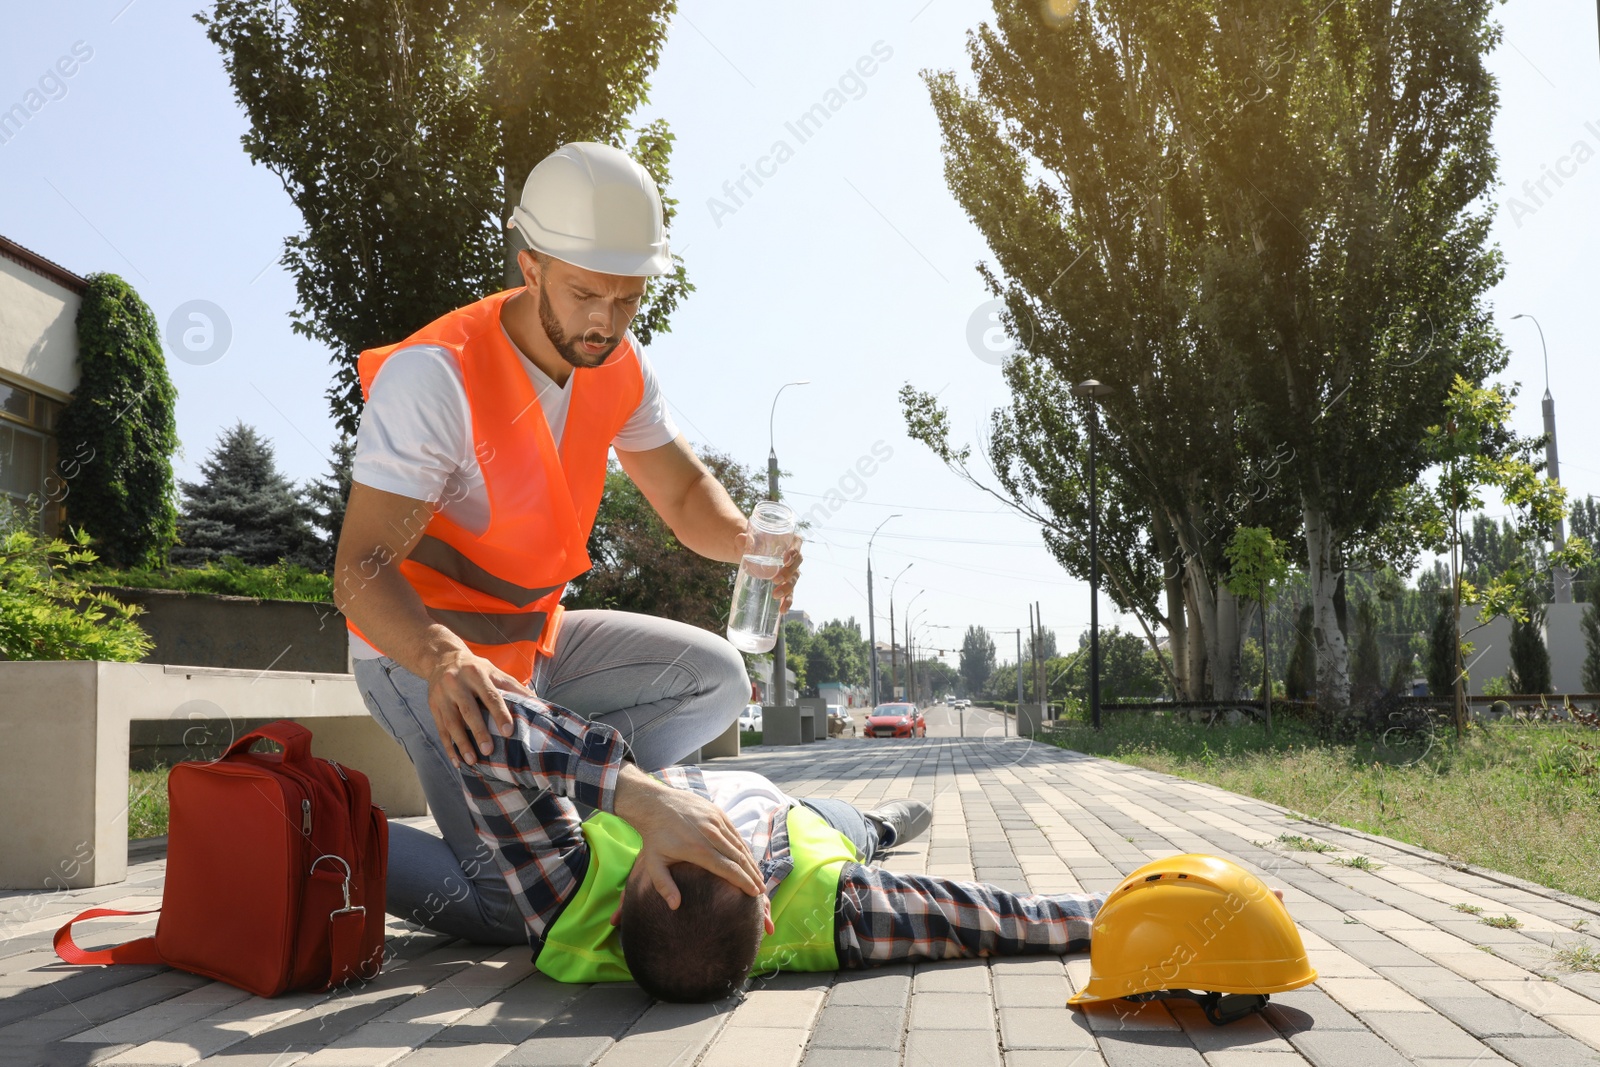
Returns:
(147,803)
(1502,922)
(1510,798)
(1470,909)
(749,737)
(1360,863)
(1296,843)
(1579,957)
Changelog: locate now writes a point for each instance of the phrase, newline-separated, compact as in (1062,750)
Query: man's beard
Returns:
(570,347)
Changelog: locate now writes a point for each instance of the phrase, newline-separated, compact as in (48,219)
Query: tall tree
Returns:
(244,507)
(327,497)
(403,131)
(638,565)
(119,432)
(1349,264)
(1591,639)
(1530,659)
(837,653)
(977,659)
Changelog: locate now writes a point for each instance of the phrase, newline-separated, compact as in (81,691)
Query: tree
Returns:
(797,646)
(1442,646)
(1530,659)
(1256,564)
(1298,676)
(327,497)
(1264,231)
(837,653)
(244,508)
(1474,450)
(1591,638)
(120,429)
(638,565)
(977,659)
(1366,668)
(403,134)
(1042,647)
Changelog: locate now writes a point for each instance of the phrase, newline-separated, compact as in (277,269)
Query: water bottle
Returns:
(753,619)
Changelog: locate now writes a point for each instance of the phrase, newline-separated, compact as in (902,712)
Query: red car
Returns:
(896,720)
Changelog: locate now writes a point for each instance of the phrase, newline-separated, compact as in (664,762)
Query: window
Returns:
(28,453)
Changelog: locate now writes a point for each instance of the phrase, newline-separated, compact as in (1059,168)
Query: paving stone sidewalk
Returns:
(1406,977)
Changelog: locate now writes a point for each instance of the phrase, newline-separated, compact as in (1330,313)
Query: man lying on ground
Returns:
(689,933)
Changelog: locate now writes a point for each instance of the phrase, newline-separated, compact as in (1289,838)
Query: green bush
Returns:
(121,429)
(231,577)
(46,611)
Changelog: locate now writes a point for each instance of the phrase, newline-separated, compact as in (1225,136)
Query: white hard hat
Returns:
(595,207)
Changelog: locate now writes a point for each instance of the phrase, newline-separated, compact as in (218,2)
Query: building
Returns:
(39,303)
(800,617)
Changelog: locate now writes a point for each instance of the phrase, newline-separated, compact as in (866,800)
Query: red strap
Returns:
(295,739)
(344,946)
(140,951)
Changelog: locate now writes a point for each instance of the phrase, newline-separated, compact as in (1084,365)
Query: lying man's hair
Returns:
(701,952)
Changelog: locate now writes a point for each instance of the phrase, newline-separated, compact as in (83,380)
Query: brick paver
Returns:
(1406,977)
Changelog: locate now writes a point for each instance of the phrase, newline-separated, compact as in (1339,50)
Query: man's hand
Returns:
(678,826)
(464,697)
(783,584)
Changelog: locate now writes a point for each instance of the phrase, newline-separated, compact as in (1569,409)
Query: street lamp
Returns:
(780,666)
(910,663)
(913,631)
(1093,390)
(872,621)
(1560,579)
(893,659)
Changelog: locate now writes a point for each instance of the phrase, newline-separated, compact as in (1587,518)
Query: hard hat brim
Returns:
(1090,995)
(629,264)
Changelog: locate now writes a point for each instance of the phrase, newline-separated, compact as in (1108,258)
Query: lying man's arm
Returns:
(556,750)
(885,916)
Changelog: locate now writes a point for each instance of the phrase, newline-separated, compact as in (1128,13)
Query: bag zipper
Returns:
(305,817)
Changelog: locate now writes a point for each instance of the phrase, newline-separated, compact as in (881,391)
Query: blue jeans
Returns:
(846,818)
(668,687)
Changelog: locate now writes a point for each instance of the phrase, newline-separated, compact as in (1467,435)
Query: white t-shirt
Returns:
(415,437)
(746,797)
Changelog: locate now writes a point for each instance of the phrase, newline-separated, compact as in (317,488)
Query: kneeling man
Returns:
(602,902)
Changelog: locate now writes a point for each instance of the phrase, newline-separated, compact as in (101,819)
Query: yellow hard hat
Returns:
(1194,922)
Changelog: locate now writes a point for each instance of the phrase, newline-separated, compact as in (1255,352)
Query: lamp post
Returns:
(1093,390)
(1560,579)
(911,664)
(911,649)
(893,659)
(780,666)
(872,622)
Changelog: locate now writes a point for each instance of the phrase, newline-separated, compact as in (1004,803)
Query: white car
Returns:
(750,717)
(840,721)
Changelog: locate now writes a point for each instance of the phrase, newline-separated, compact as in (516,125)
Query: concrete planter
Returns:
(64,764)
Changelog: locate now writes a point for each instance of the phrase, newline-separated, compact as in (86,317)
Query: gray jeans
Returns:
(668,687)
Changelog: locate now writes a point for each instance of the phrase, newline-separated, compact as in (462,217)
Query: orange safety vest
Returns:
(500,591)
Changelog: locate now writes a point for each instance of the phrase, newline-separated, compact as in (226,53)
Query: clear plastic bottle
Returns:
(753,618)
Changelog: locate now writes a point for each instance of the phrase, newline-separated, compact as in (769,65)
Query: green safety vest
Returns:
(582,945)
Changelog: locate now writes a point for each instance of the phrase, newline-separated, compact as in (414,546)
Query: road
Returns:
(945,721)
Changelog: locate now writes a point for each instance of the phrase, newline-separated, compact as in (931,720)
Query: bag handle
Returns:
(141,951)
(295,739)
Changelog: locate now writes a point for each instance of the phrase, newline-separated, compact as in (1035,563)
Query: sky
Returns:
(851,266)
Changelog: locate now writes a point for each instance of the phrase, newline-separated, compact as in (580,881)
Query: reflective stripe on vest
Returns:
(583,946)
(500,591)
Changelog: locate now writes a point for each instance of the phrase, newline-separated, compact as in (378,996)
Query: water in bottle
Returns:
(753,618)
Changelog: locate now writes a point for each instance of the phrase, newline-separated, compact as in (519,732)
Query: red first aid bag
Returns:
(275,872)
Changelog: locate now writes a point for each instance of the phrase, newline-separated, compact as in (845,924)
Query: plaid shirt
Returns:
(522,800)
